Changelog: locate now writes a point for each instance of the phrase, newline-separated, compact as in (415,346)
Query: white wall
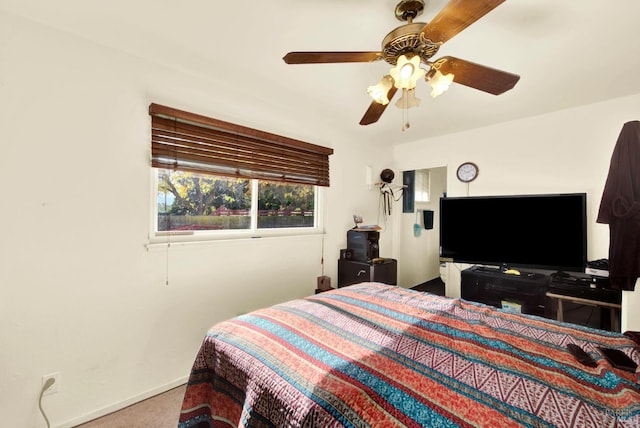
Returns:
(566,151)
(79,292)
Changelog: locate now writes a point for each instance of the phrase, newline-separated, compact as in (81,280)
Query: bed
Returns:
(383,356)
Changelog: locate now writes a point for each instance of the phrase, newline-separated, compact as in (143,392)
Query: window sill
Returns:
(192,240)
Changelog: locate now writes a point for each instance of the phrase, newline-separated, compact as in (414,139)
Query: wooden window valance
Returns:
(191,142)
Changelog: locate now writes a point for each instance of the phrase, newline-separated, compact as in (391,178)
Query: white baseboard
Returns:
(122,404)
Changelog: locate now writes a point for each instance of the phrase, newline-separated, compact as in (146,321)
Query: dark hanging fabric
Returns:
(620,208)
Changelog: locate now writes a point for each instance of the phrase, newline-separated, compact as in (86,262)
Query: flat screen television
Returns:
(546,231)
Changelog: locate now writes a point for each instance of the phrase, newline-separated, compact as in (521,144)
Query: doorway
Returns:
(419,253)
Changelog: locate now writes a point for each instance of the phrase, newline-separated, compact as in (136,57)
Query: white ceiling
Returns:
(567,52)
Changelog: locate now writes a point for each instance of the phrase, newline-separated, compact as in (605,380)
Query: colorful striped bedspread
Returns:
(383,356)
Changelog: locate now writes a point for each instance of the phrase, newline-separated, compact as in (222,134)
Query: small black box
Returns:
(346,254)
(427,216)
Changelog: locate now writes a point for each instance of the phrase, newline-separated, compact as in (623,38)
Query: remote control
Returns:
(619,359)
(581,355)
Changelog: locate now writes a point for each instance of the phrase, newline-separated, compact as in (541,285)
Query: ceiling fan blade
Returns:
(376,109)
(477,76)
(329,57)
(456,16)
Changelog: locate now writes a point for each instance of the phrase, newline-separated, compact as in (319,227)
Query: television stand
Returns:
(566,296)
(524,293)
(502,269)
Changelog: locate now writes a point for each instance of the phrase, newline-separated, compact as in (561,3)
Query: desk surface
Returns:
(584,301)
(613,307)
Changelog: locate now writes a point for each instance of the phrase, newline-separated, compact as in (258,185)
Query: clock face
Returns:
(467,172)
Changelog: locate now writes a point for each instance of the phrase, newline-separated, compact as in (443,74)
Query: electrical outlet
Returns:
(55,388)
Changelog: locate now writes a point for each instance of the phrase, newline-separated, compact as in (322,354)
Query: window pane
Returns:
(190,201)
(285,205)
(422,185)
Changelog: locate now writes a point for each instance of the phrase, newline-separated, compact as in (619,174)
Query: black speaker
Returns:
(427,216)
(346,254)
(363,245)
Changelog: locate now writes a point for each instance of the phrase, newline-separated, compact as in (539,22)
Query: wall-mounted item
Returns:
(368,174)
(408,180)
(388,191)
(467,172)
(619,208)
(417,229)
(427,217)
(387,175)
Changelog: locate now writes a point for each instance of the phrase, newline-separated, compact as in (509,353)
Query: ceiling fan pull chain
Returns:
(405,110)
(403,107)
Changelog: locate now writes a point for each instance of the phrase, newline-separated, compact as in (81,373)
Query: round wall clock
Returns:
(467,172)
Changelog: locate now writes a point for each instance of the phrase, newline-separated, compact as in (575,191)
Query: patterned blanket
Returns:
(383,356)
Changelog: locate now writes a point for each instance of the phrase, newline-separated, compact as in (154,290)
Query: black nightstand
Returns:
(353,272)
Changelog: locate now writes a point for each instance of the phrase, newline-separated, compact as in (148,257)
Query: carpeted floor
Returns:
(161,411)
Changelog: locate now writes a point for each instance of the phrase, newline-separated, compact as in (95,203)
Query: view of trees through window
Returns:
(191,201)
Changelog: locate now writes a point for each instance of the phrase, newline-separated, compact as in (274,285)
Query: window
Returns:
(282,205)
(188,201)
(422,185)
(216,179)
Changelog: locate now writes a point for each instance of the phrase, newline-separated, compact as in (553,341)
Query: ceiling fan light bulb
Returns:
(440,83)
(380,91)
(378,96)
(407,72)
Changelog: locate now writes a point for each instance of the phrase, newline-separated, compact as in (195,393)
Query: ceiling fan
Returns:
(413,44)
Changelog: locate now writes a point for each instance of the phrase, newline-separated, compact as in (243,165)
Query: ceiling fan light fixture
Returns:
(407,72)
(408,99)
(409,46)
(439,82)
(380,91)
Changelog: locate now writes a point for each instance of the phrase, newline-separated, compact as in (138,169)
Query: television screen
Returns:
(538,231)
